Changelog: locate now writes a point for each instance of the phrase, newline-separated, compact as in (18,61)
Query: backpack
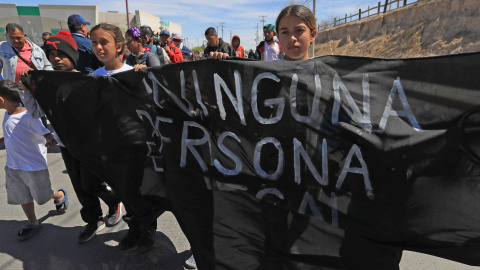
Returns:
(159,52)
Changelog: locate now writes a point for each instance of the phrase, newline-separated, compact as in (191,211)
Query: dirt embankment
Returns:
(427,28)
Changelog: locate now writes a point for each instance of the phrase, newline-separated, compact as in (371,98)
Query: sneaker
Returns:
(131,239)
(63,205)
(190,263)
(147,239)
(114,215)
(90,231)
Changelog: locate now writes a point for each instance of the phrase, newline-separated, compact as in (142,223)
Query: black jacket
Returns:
(149,59)
(222,47)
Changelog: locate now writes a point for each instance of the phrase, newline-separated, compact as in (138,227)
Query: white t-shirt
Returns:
(271,52)
(102,72)
(24,142)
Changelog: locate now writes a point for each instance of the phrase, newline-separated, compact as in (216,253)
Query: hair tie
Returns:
(134,31)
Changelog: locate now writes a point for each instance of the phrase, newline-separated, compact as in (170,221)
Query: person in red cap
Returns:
(61,50)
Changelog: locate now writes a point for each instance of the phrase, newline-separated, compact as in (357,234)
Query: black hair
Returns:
(9,90)
(210,31)
(302,12)
(156,39)
(13,27)
(138,39)
(46,34)
(145,31)
(74,28)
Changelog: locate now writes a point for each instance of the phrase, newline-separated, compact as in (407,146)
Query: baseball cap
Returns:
(76,20)
(165,32)
(176,36)
(270,27)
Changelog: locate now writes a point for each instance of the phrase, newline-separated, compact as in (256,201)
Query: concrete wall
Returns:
(115,18)
(143,18)
(52,18)
(175,28)
(8,14)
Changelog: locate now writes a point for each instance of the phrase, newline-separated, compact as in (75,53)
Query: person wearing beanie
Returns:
(269,50)
(61,50)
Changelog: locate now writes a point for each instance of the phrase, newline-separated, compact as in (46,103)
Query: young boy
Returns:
(61,50)
(26,172)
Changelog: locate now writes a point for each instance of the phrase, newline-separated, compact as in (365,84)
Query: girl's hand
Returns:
(138,67)
(218,55)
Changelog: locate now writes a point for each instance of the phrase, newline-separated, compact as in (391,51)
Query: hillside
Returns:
(427,28)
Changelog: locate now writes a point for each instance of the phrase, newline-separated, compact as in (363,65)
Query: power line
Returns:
(263,19)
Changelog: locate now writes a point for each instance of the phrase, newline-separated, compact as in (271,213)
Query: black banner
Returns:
(330,163)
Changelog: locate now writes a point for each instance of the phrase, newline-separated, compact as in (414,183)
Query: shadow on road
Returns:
(56,247)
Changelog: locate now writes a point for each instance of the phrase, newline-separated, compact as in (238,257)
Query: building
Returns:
(52,18)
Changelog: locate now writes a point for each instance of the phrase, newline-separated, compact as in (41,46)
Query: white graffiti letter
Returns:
(363,170)
(389,111)
(190,143)
(198,95)
(177,101)
(257,154)
(226,151)
(280,102)
(364,119)
(310,202)
(299,150)
(236,102)
(316,101)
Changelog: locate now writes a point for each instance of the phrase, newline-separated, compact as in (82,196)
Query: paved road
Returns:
(55,246)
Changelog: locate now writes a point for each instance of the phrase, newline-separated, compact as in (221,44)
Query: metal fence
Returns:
(370,12)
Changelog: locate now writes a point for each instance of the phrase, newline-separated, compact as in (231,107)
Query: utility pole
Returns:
(256,39)
(314,16)
(161,25)
(263,19)
(230,34)
(128,17)
(216,26)
(222,24)
(198,44)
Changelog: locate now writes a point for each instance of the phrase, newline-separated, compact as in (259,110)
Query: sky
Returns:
(240,17)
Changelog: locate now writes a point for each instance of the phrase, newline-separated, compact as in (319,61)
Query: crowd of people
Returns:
(105,50)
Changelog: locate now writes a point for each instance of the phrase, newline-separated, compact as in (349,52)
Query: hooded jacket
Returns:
(221,47)
(8,59)
(175,54)
(238,50)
